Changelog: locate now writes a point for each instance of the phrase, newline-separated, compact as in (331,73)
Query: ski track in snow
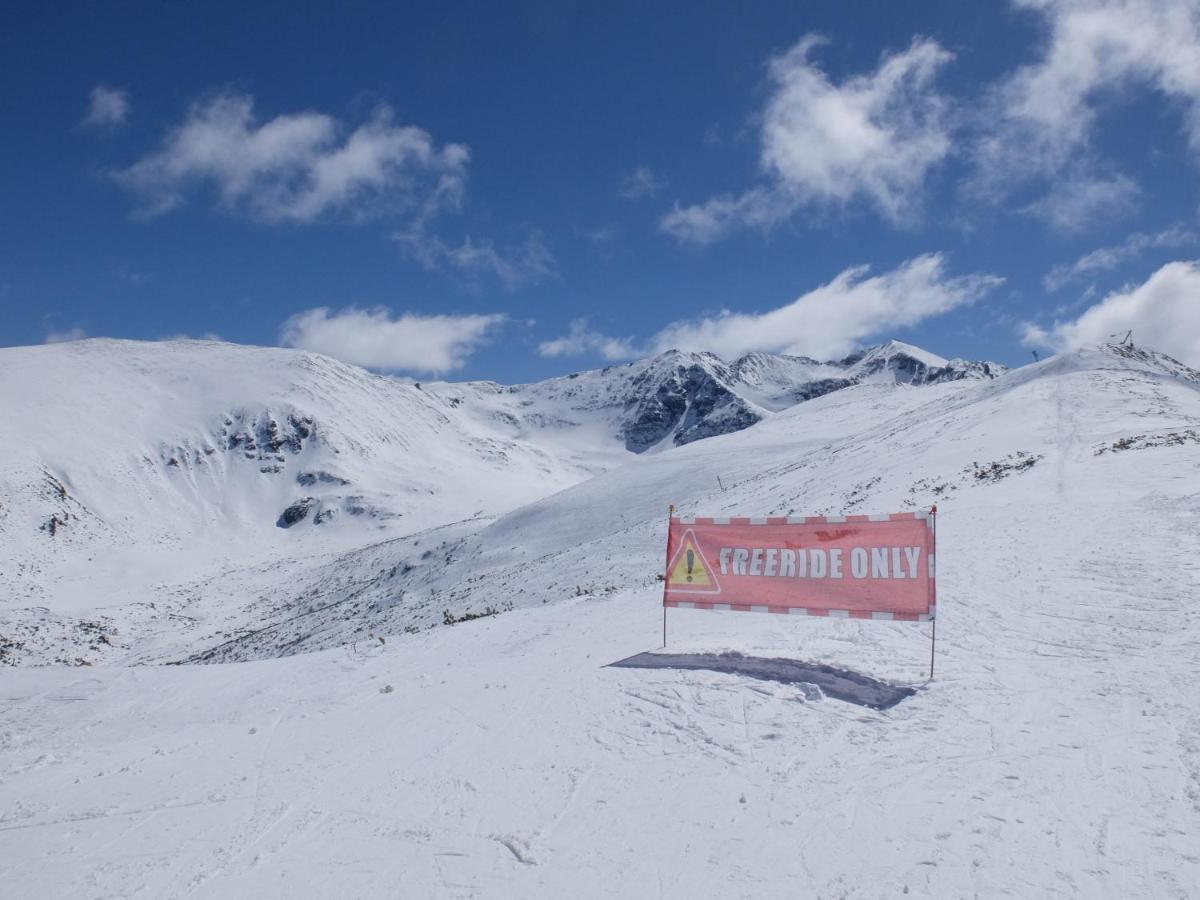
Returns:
(1056,754)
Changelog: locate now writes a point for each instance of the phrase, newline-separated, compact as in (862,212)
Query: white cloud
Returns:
(581,339)
(825,323)
(70,334)
(1107,258)
(1040,120)
(875,138)
(1163,313)
(376,339)
(526,263)
(206,336)
(714,219)
(872,137)
(107,108)
(132,277)
(833,319)
(297,168)
(600,237)
(1083,199)
(640,183)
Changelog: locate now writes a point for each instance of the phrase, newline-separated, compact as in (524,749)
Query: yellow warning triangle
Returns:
(690,571)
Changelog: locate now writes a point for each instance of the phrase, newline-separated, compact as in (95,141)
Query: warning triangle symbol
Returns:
(689,572)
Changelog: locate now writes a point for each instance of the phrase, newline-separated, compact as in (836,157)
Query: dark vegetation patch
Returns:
(1148,441)
(975,473)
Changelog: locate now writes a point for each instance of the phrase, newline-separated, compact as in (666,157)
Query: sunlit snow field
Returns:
(349,744)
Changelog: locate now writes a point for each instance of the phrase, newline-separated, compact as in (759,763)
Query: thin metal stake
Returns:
(667,574)
(932,647)
(933,636)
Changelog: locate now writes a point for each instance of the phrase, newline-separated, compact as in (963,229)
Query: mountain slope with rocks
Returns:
(875,446)
(136,463)
(679,397)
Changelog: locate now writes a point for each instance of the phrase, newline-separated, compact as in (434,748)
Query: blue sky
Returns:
(516,190)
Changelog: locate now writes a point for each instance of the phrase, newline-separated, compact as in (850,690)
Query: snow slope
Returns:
(133,469)
(1057,753)
(131,461)
(874,446)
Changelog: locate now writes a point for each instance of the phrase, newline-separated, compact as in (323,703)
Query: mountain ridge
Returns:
(135,466)
(456,476)
(977,446)
(676,397)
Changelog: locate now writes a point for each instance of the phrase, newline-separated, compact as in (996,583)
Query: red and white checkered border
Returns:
(800,611)
(805,520)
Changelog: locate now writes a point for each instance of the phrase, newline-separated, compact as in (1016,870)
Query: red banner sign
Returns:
(862,567)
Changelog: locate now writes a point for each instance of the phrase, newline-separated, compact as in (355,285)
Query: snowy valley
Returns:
(274,625)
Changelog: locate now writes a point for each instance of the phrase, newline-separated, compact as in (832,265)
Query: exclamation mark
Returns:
(691,563)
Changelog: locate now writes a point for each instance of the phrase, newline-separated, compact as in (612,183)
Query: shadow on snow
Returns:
(840,684)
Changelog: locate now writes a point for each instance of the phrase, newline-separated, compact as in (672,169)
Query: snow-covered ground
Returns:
(352,745)
(130,463)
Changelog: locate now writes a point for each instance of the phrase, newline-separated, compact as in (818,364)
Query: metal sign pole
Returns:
(933,636)
(666,572)
(932,647)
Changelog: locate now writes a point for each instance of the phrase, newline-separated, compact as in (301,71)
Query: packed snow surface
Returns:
(434,711)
